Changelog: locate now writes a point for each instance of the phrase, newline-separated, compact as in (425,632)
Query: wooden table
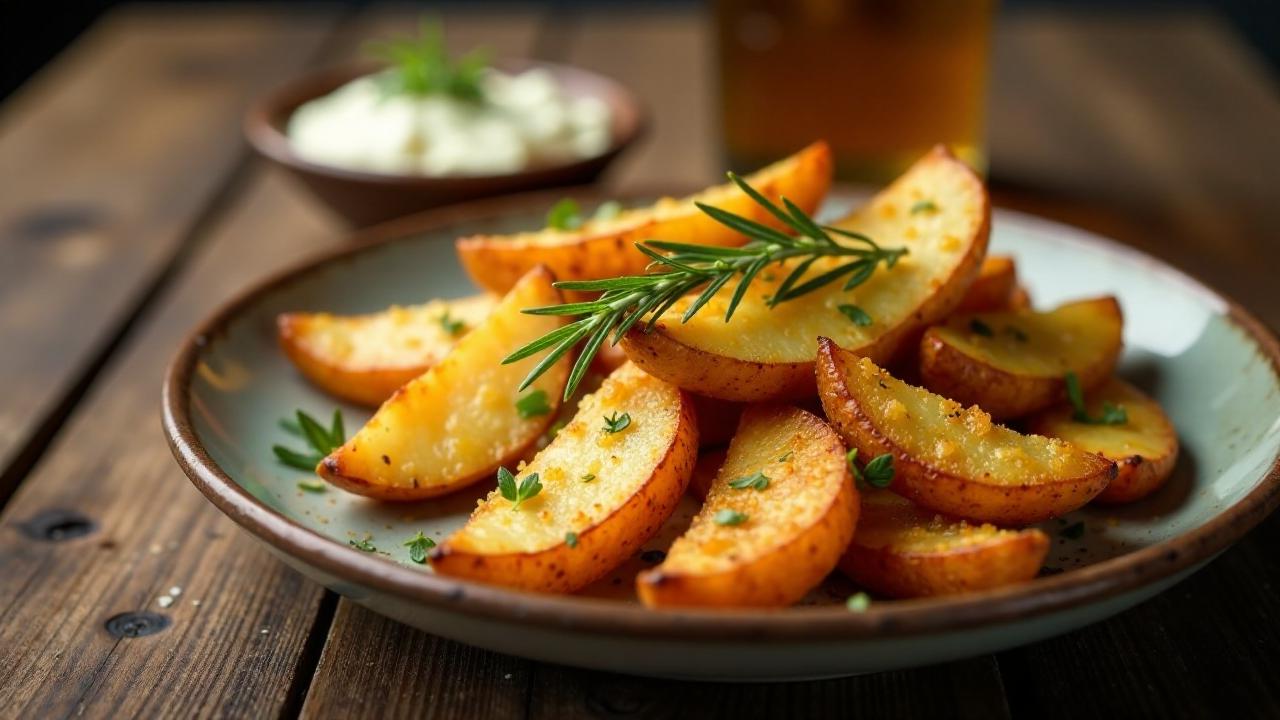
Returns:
(130,208)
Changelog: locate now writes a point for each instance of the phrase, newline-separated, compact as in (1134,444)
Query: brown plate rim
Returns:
(1091,584)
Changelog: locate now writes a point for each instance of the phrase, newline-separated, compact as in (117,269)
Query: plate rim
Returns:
(900,618)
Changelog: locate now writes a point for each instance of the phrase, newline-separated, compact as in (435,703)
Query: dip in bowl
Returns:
(372,151)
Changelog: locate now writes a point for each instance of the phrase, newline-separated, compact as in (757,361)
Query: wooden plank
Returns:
(374,667)
(233,654)
(107,159)
(1155,117)
(954,690)
(665,57)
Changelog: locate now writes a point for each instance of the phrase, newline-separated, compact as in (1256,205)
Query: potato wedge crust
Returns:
(767,353)
(1012,364)
(605,248)
(904,551)
(993,289)
(365,358)
(793,528)
(458,421)
(1145,448)
(951,459)
(611,491)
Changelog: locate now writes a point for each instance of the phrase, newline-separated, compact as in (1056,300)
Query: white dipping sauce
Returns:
(526,121)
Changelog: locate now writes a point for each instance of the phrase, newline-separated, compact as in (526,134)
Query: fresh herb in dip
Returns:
(427,114)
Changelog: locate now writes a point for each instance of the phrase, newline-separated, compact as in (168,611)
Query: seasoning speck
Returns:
(164,601)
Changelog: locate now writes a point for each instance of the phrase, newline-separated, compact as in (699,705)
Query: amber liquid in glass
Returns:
(881,80)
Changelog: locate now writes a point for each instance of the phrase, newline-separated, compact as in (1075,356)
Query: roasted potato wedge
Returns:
(365,358)
(605,248)
(458,421)
(994,289)
(1012,364)
(767,542)
(951,459)
(767,353)
(1145,447)
(904,551)
(604,494)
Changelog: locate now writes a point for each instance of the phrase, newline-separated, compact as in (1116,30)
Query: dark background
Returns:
(32,33)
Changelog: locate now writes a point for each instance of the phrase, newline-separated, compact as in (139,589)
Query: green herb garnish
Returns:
(421,67)
(923,206)
(626,301)
(856,314)
(533,405)
(1111,414)
(588,477)
(571,539)
(1073,532)
(786,456)
(450,325)
(758,481)
(730,517)
(321,441)
(981,328)
(877,473)
(364,545)
(565,215)
(311,486)
(616,423)
(858,602)
(528,487)
(418,546)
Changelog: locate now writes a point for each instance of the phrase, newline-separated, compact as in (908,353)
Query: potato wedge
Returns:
(1145,448)
(604,494)
(904,551)
(365,358)
(763,545)
(1012,364)
(951,459)
(767,353)
(458,421)
(605,248)
(994,288)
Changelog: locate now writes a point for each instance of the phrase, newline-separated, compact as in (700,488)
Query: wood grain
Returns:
(110,157)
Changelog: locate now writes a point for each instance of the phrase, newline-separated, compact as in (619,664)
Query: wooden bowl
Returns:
(366,198)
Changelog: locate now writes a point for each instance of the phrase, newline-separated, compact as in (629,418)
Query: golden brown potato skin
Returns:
(496,262)
(781,572)
(1140,473)
(367,387)
(601,547)
(1005,393)
(730,377)
(994,287)
(903,551)
(973,498)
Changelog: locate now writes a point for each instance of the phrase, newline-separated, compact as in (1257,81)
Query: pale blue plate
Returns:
(1211,365)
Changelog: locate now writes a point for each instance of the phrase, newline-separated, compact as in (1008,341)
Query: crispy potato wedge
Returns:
(458,421)
(604,494)
(793,525)
(1012,364)
(767,353)
(605,248)
(951,459)
(993,289)
(365,358)
(904,551)
(1145,448)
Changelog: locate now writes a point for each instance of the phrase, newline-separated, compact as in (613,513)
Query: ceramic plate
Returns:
(1212,366)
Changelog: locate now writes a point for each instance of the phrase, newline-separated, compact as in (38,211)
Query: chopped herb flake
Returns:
(452,326)
(980,328)
(529,487)
(877,473)
(858,602)
(321,440)
(730,517)
(533,405)
(921,206)
(1111,414)
(787,456)
(588,477)
(571,539)
(363,545)
(758,481)
(313,486)
(856,314)
(616,423)
(565,215)
(418,546)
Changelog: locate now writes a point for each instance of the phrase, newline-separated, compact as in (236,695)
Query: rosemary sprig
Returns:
(684,268)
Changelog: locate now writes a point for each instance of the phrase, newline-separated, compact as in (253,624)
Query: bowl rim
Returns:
(900,618)
(260,129)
